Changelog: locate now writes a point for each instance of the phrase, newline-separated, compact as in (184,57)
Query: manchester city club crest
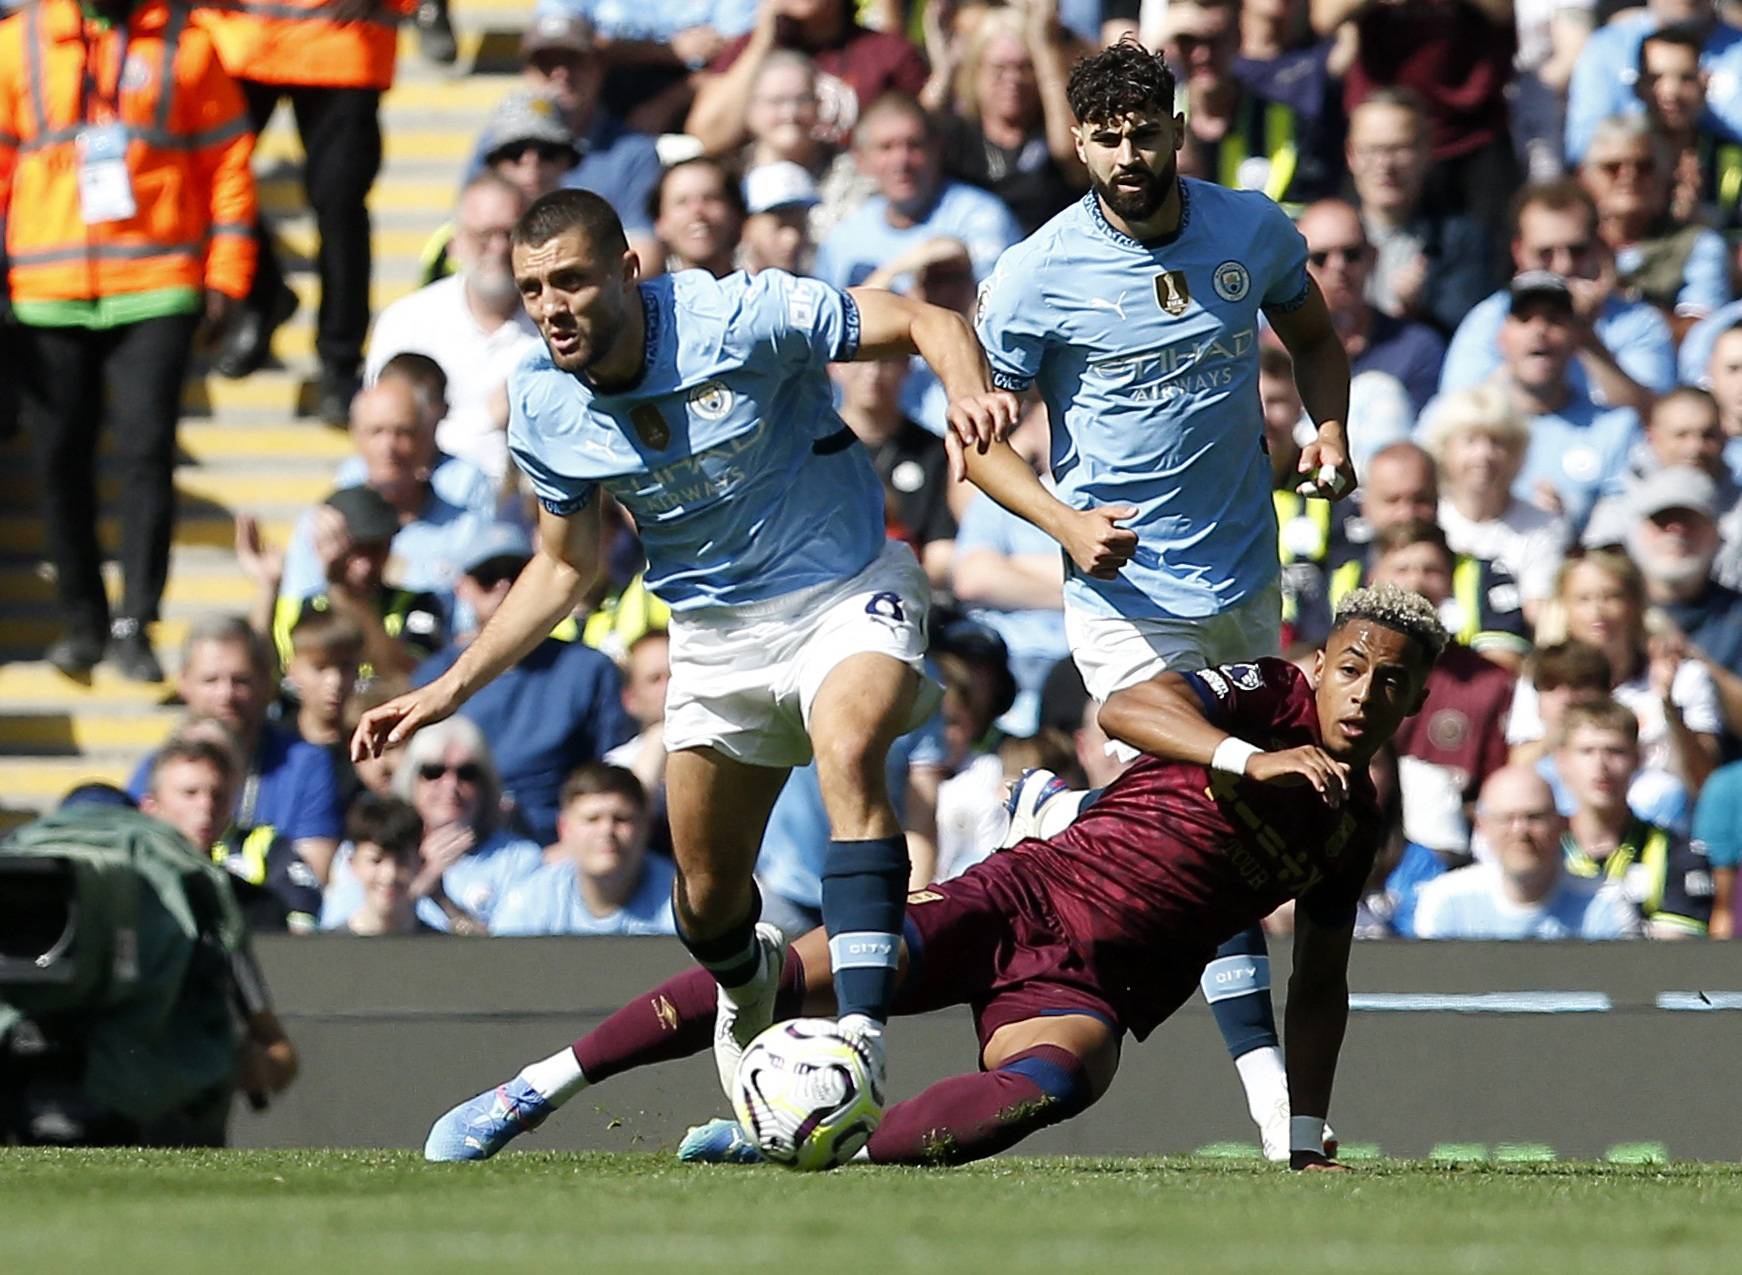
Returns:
(1231,281)
(711,400)
(650,426)
(1172,292)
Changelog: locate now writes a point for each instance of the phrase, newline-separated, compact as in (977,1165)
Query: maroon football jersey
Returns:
(1175,859)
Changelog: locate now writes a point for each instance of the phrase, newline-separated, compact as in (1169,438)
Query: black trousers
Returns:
(341,137)
(65,373)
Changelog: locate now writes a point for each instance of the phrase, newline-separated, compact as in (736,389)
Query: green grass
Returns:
(318,1212)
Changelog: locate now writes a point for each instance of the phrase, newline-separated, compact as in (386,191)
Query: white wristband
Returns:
(1232,754)
(1306,1133)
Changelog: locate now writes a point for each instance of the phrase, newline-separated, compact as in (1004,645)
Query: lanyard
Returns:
(90,90)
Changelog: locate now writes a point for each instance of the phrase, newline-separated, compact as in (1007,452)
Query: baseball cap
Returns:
(368,516)
(500,540)
(566,31)
(1678,487)
(782,184)
(1539,283)
(526,117)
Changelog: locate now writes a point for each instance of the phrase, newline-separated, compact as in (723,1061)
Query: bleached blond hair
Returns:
(1402,610)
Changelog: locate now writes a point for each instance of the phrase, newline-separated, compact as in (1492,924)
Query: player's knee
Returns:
(850,760)
(710,901)
(1062,1078)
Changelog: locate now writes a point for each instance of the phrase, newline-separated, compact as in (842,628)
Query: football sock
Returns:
(558,1078)
(1237,986)
(733,958)
(970,1117)
(864,897)
(1265,1079)
(674,1020)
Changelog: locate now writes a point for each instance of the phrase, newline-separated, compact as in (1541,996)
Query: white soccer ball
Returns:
(807,1094)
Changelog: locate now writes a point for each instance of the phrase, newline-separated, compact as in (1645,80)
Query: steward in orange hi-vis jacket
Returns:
(125,203)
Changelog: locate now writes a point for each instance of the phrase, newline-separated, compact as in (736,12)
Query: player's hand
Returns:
(1308,764)
(1326,468)
(978,421)
(398,719)
(1096,542)
(1313,1162)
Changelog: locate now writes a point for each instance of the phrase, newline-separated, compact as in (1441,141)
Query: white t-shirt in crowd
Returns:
(1525,540)
(1693,691)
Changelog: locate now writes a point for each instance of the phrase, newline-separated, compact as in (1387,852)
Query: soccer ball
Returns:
(806,1094)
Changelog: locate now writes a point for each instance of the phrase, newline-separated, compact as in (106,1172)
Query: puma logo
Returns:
(1117,307)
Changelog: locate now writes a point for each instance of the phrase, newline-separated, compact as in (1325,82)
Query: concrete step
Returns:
(232,487)
(31,684)
(39,782)
(27,589)
(21,534)
(87,731)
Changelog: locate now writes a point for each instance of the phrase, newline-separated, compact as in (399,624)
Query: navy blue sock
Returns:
(734,958)
(1237,985)
(864,897)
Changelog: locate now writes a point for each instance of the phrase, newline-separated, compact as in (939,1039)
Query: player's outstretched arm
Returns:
(1093,537)
(1321,374)
(561,571)
(1317,1014)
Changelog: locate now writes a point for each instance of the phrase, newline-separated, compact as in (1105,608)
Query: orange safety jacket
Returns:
(296,42)
(187,154)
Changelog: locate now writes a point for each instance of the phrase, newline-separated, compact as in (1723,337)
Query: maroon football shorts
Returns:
(991,940)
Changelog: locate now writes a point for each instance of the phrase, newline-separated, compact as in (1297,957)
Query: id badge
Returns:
(105,186)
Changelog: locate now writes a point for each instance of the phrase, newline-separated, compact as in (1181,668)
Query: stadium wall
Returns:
(1465,1051)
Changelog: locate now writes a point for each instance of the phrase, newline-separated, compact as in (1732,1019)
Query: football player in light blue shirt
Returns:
(703,406)
(604,881)
(1137,313)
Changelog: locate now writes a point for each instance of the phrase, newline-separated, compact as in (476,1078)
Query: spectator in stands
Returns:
(1625,349)
(470,861)
(334,69)
(396,440)
(698,216)
(1009,575)
(558,56)
(454,479)
(558,708)
(1657,869)
(384,834)
(287,784)
(353,533)
(1683,268)
(1526,892)
(1307,527)
(1282,60)
(1704,163)
(1457,59)
(778,199)
(1683,431)
(1007,126)
(1235,134)
(1578,450)
(1399,485)
(908,458)
(195,778)
(326,650)
(1674,538)
(783,119)
(600,879)
(1447,751)
(1430,262)
(1602,600)
(1718,834)
(472,324)
(1551,34)
(1725,380)
(897,146)
(104,289)
(1479,439)
(973,665)
(1340,260)
(374,774)
(646,674)
(1605,77)
(858,67)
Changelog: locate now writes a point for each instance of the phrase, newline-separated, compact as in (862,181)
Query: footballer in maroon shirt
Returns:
(1253,791)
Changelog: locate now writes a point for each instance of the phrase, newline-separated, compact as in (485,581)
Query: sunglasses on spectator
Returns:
(1613,168)
(467,772)
(549,152)
(1348,256)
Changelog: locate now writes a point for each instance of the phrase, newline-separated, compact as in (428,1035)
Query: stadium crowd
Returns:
(1524,218)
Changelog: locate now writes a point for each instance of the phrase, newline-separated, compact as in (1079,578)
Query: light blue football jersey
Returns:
(1147,357)
(743,481)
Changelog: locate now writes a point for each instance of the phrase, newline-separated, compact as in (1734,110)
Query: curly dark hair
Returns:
(1122,79)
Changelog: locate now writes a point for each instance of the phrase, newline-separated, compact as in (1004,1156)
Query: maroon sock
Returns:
(970,1117)
(674,1020)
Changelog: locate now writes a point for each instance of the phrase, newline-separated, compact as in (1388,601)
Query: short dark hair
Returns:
(388,822)
(730,188)
(1685,34)
(564,210)
(600,777)
(328,633)
(1570,663)
(422,373)
(1122,79)
(1681,394)
(209,752)
(1559,194)
(897,102)
(1606,713)
(1414,531)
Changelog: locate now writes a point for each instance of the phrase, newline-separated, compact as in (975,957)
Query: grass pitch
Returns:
(315,1212)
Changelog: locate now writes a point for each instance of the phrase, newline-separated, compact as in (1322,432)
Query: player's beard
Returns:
(1142,202)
